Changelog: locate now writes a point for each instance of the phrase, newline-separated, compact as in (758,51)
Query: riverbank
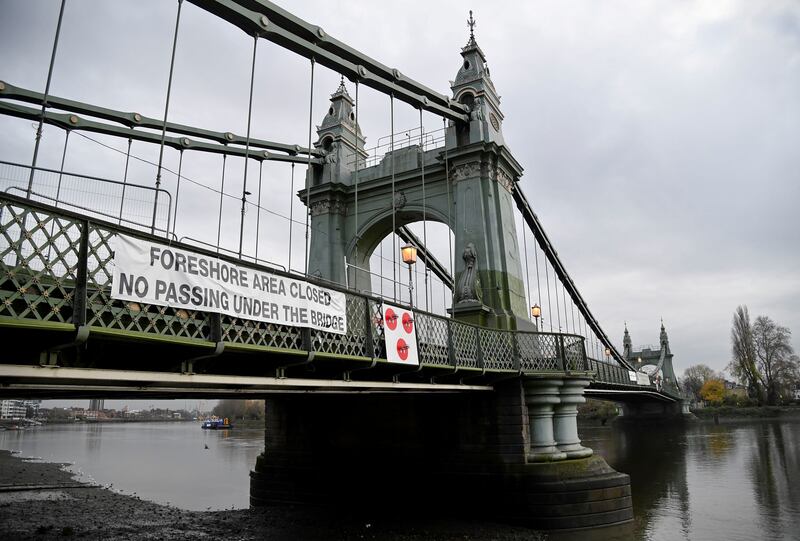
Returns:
(733,413)
(42,501)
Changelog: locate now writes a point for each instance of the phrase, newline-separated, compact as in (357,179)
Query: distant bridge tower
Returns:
(654,362)
(468,186)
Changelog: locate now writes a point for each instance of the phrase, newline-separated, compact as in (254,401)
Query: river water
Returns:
(704,482)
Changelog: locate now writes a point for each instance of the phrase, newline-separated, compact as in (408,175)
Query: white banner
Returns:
(400,334)
(158,274)
(632,376)
(642,378)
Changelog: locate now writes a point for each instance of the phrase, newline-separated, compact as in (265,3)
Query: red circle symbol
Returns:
(391,319)
(408,323)
(402,349)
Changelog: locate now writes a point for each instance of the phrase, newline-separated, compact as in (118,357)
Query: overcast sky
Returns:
(660,140)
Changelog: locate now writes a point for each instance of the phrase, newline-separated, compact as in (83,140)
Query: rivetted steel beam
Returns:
(558,267)
(265,19)
(74,122)
(428,258)
(137,120)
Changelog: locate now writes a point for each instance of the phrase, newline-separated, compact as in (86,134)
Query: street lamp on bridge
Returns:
(608,353)
(409,254)
(536,312)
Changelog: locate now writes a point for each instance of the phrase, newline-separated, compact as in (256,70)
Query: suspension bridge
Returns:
(103,294)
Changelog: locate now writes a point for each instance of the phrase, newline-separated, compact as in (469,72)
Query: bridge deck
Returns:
(56,310)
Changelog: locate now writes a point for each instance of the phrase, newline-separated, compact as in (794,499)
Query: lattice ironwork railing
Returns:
(497,348)
(607,372)
(433,339)
(466,347)
(56,266)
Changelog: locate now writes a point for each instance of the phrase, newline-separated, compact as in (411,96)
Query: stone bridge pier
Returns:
(512,454)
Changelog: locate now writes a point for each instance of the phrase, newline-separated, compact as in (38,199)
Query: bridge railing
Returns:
(56,268)
(607,372)
(127,203)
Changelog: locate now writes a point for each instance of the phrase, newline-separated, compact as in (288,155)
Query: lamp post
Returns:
(608,353)
(409,254)
(536,312)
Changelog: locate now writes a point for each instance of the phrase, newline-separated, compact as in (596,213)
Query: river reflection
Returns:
(170,463)
(701,482)
(729,481)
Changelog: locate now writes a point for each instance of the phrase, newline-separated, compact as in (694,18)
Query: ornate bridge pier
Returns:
(502,455)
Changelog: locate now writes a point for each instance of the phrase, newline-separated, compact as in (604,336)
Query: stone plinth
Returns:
(541,397)
(565,423)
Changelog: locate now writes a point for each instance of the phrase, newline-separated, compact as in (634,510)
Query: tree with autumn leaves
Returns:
(713,391)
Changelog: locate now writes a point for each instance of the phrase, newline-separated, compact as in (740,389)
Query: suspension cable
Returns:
(538,283)
(549,306)
(449,223)
(58,189)
(424,207)
(394,208)
(221,195)
(166,113)
(125,181)
(555,294)
(44,101)
(527,269)
(357,255)
(177,193)
(258,207)
(291,222)
(308,164)
(61,170)
(247,143)
(564,297)
(572,309)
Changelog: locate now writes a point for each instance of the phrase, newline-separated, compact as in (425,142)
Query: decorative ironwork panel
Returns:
(538,352)
(376,327)
(574,353)
(498,349)
(354,342)
(465,344)
(260,333)
(38,263)
(432,339)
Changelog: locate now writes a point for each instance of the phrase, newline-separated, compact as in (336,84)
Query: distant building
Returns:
(797,393)
(19,409)
(733,388)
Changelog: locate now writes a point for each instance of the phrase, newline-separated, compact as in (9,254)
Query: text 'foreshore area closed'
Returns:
(158,274)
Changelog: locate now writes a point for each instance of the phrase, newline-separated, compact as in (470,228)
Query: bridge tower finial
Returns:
(627,347)
(471,23)
(663,338)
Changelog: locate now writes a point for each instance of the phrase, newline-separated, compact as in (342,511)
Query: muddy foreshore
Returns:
(42,501)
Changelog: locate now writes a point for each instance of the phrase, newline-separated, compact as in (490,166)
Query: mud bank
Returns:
(41,501)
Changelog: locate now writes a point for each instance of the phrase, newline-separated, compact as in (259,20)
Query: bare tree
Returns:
(774,355)
(743,365)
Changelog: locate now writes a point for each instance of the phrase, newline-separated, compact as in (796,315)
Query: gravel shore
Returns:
(41,501)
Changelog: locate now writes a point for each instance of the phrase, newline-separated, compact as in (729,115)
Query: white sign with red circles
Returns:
(400,333)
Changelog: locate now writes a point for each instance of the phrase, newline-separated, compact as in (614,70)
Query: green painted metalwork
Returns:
(130,121)
(265,19)
(39,292)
